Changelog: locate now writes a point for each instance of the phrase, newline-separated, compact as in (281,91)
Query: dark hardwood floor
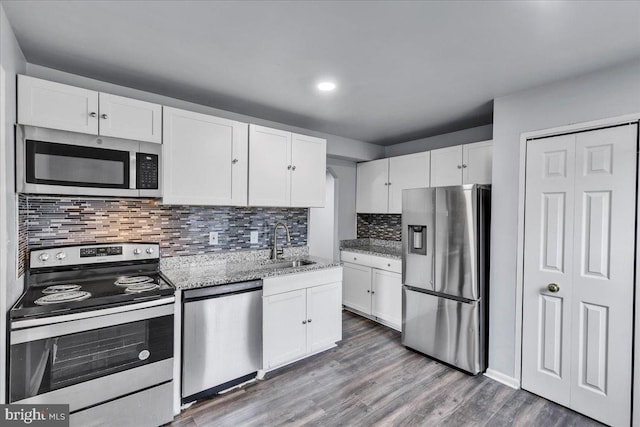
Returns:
(371,380)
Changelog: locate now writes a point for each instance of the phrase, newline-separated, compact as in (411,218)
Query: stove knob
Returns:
(137,251)
(150,251)
(60,256)
(44,257)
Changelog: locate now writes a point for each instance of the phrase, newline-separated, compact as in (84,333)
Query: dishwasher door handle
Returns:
(221,290)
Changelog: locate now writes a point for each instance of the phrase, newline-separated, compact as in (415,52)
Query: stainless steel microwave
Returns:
(57,162)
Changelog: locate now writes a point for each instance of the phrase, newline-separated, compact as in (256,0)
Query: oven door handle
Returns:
(37,329)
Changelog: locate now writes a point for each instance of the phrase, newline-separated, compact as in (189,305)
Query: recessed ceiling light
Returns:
(326,86)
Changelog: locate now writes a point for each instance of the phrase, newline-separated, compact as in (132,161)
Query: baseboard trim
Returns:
(502,378)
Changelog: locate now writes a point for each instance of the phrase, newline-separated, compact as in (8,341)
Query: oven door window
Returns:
(49,364)
(73,165)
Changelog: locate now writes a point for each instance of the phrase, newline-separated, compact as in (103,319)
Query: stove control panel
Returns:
(101,251)
(93,254)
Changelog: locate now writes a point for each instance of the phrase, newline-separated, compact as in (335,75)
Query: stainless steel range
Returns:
(94,329)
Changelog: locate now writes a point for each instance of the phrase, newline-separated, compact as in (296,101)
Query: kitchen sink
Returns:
(291,264)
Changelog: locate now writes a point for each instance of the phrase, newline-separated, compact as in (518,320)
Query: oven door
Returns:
(88,361)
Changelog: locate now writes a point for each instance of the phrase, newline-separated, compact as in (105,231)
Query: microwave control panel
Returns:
(146,171)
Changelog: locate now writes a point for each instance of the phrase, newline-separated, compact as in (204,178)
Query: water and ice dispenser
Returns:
(418,239)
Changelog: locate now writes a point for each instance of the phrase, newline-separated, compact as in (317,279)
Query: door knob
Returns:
(552,287)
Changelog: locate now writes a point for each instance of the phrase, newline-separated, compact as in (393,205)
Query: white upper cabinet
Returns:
(410,171)
(269,166)
(380,182)
(58,106)
(446,166)
(130,118)
(372,186)
(477,160)
(286,169)
(308,171)
(462,164)
(205,159)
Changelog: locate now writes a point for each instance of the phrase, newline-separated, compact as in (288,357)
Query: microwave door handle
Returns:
(132,169)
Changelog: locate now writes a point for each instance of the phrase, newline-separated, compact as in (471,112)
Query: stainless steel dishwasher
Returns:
(221,337)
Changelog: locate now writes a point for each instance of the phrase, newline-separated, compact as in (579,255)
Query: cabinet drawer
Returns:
(292,282)
(356,258)
(382,263)
(389,264)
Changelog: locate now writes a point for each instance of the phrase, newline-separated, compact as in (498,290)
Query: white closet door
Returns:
(603,260)
(580,235)
(546,321)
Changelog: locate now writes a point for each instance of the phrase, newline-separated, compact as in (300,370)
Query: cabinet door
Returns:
(128,118)
(269,167)
(308,171)
(446,166)
(284,334)
(57,106)
(324,316)
(387,297)
(476,162)
(410,171)
(199,153)
(356,287)
(372,188)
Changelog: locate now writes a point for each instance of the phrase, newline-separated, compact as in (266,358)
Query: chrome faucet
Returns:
(277,253)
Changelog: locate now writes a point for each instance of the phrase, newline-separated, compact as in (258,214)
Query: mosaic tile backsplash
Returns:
(180,230)
(380,226)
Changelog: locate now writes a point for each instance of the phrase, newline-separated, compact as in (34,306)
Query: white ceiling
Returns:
(404,70)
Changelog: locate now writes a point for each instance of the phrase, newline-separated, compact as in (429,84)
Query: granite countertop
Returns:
(383,248)
(192,276)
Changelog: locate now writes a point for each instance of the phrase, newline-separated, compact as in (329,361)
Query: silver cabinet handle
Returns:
(304,322)
(459,167)
(289,167)
(354,258)
(368,291)
(464,166)
(93,114)
(309,321)
(293,168)
(389,183)
(552,287)
(104,116)
(373,292)
(234,161)
(386,183)
(388,265)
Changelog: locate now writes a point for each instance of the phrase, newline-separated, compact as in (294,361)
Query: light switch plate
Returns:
(254,237)
(213,238)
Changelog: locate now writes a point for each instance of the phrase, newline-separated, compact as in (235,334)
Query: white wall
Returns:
(345,174)
(466,136)
(607,93)
(12,62)
(322,235)
(337,146)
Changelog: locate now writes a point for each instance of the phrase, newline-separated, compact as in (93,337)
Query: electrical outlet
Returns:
(213,238)
(254,237)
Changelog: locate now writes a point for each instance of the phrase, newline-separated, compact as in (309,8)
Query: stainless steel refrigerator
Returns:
(445,273)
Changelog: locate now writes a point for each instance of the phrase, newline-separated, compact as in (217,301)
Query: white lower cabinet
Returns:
(356,287)
(301,315)
(371,290)
(386,298)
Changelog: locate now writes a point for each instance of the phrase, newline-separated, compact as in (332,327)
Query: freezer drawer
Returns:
(444,329)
